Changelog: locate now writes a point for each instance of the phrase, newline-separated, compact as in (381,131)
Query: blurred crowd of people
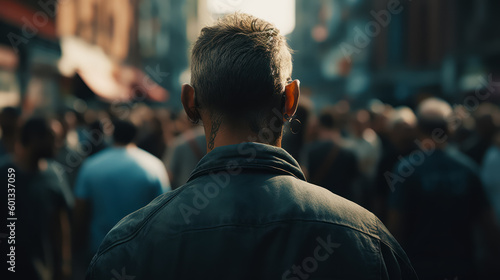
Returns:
(430,174)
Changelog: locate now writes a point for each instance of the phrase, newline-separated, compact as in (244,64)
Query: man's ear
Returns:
(292,94)
(188,102)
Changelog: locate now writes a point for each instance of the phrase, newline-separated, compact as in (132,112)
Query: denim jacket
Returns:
(247,212)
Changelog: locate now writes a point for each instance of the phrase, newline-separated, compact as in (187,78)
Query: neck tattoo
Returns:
(216,122)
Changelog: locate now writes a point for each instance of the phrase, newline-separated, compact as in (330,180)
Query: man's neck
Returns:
(226,137)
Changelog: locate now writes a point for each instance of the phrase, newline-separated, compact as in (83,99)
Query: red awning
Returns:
(36,23)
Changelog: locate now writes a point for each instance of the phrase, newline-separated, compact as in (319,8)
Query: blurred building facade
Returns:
(121,50)
(396,50)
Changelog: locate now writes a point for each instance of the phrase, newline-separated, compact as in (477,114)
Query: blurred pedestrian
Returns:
(112,184)
(150,136)
(478,143)
(188,149)
(327,162)
(365,144)
(437,200)
(401,133)
(69,158)
(41,209)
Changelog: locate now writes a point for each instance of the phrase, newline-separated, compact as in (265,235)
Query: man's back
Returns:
(118,181)
(246,213)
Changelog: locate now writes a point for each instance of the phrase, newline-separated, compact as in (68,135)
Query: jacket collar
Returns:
(248,156)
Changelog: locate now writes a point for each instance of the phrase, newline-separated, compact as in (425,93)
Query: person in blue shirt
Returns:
(112,184)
